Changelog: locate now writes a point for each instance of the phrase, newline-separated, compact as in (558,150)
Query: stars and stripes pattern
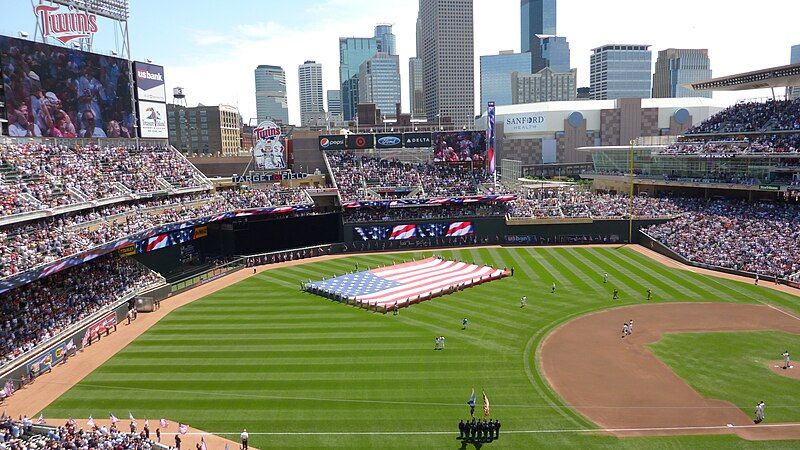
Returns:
(460,229)
(400,232)
(406,283)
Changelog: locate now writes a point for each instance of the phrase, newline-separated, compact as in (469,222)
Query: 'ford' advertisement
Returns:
(390,140)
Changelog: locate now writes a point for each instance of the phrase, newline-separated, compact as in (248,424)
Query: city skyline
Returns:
(212,56)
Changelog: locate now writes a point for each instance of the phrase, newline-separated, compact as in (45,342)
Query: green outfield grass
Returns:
(263,355)
(733,367)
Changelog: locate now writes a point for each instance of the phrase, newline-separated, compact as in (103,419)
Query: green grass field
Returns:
(263,355)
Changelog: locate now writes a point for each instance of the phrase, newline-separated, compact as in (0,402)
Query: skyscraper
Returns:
(386,39)
(447,59)
(379,82)
(549,51)
(544,86)
(677,67)
(620,71)
(496,73)
(352,53)
(312,106)
(271,103)
(538,17)
(416,91)
(794,92)
(335,104)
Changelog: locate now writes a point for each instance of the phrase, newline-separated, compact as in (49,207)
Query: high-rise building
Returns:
(379,82)
(416,91)
(335,104)
(448,59)
(496,73)
(544,86)
(549,51)
(387,42)
(620,71)
(312,105)
(271,103)
(352,53)
(205,130)
(794,92)
(676,68)
(538,17)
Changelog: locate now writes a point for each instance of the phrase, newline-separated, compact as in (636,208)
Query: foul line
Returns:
(553,431)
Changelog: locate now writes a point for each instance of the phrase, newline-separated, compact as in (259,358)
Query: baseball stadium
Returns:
(413,289)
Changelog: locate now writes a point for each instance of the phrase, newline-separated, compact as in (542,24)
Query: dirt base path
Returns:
(624,388)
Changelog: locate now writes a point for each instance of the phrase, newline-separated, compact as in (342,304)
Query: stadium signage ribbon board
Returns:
(360,141)
(331,142)
(417,140)
(268,151)
(64,23)
(388,140)
(524,123)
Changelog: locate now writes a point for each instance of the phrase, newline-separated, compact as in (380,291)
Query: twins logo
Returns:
(268,149)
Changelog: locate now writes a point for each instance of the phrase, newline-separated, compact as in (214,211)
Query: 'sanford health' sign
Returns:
(523,123)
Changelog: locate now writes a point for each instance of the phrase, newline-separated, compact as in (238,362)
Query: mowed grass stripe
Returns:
(263,355)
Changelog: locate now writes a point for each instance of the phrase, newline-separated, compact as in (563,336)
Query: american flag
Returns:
(90,422)
(183,428)
(113,419)
(460,229)
(163,423)
(41,420)
(406,283)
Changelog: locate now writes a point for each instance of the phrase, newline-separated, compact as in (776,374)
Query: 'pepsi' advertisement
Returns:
(331,142)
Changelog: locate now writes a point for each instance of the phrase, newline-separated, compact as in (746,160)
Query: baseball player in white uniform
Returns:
(786,359)
(625,329)
(523,302)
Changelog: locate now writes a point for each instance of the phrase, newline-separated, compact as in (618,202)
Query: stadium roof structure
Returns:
(775,77)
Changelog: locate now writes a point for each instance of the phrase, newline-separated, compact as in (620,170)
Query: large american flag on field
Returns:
(405,283)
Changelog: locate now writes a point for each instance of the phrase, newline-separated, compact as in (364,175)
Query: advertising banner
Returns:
(417,140)
(411,231)
(153,120)
(268,151)
(388,140)
(149,82)
(360,141)
(46,361)
(52,91)
(331,142)
(524,123)
(459,146)
(491,132)
(100,326)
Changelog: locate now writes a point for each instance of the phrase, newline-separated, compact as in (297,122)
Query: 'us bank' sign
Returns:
(523,123)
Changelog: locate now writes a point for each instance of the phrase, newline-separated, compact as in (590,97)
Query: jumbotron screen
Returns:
(459,146)
(54,91)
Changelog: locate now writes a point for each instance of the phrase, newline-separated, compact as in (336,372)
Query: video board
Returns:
(459,146)
(53,91)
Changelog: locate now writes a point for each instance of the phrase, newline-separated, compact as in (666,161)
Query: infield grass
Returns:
(263,355)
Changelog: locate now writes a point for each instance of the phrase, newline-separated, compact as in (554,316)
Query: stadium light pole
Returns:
(630,200)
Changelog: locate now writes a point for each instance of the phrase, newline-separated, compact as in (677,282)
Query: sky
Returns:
(210,48)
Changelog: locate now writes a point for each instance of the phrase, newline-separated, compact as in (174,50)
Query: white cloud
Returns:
(221,71)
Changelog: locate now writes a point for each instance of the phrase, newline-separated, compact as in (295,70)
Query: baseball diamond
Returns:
(589,256)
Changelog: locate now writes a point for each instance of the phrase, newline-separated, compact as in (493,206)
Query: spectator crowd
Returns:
(18,435)
(772,115)
(29,244)
(458,211)
(36,176)
(353,174)
(574,203)
(38,311)
(761,238)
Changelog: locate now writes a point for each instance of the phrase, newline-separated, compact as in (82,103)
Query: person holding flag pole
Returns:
(113,419)
(90,423)
(471,403)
